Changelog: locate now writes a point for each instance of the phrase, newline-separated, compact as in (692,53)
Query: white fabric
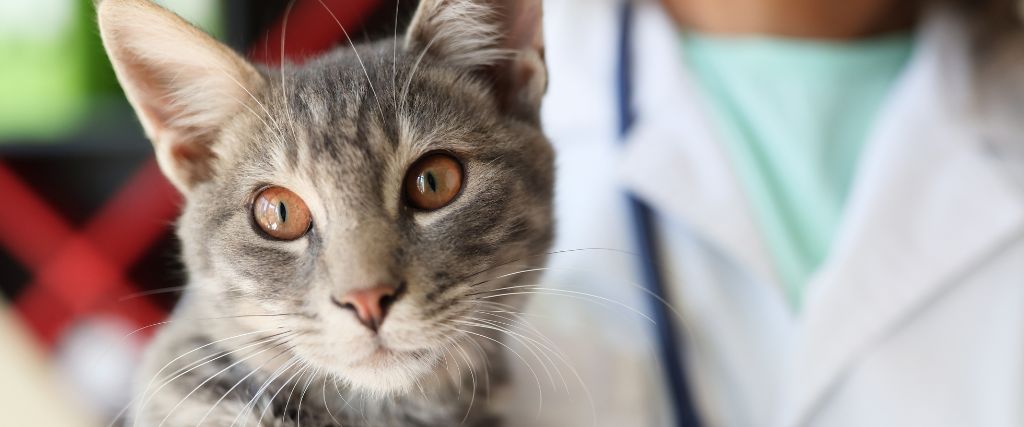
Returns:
(915,319)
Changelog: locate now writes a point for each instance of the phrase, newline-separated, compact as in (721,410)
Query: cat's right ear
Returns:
(182,83)
(501,40)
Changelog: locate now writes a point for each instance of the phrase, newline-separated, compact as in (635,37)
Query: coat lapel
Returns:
(673,160)
(927,208)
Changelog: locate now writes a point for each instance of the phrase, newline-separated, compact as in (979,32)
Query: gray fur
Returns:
(341,131)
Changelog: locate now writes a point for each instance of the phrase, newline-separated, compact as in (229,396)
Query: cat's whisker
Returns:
(412,73)
(167,290)
(394,61)
(486,370)
(547,253)
(494,304)
(514,273)
(327,406)
(423,393)
(239,382)
(474,323)
(519,321)
(277,335)
(302,396)
(456,377)
(472,376)
(542,347)
(212,377)
(307,368)
(675,312)
(143,328)
(542,290)
(358,58)
(146,395)
(560,354)
(447,365)
(279,135)
(241,316)
(348,404)
(519,314)
(312,373)
(263,413)
(284,66)
(438,379)
(124,410)
(249,406)
(540,388)
(277,125)
(458,366)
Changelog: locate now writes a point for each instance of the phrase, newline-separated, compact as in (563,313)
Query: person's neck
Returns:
(817,19)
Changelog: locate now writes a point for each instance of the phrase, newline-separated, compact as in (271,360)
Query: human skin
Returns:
(817,19)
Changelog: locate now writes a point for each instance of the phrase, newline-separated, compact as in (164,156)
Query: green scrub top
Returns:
(794,115)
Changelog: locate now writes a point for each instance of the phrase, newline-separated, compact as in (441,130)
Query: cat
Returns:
(345,220)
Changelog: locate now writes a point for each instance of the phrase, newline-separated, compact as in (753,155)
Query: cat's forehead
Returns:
(351,125)
(376,99)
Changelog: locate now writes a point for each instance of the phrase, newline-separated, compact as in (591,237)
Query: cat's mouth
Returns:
(382,356)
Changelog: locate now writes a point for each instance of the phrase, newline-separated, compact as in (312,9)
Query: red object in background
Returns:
(78,272)
(311,27)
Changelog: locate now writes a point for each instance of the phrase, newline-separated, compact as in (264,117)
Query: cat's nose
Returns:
(370,304)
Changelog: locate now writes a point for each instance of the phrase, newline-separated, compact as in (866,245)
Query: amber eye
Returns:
(433,181)
(281,213)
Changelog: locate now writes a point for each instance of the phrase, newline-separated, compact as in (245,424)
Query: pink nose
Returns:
(370,304)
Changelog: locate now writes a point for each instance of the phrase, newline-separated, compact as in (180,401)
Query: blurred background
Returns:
(88,258)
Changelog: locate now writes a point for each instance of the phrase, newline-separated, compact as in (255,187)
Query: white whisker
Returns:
(211,378)
(263,388)
(358,58)
(302,397)
(240,381)
(263,413)
(327,406)
(540,388)
(528,342)
(540,290)
(412,73)
(146,396)
(153,378)
(519,338)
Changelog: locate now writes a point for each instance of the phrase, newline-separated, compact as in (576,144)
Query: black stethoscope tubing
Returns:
(646,243)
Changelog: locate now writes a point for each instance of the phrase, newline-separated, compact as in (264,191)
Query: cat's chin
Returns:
(386,372)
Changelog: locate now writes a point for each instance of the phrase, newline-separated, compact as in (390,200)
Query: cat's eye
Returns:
(433,181)
(281,213)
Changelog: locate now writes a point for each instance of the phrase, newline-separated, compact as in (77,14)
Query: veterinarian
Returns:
(835,198)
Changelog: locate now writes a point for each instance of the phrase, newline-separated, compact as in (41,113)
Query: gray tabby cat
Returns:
(346,221)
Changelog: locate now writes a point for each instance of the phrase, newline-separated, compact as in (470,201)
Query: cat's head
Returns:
(362,200)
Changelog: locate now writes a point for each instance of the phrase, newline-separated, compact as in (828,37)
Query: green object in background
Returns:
(794,116)
(43,77)
(54,74)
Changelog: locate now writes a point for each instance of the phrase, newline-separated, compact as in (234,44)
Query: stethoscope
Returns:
(652,279)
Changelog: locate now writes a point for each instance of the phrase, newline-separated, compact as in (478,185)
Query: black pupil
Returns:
(282,212)
(431,181)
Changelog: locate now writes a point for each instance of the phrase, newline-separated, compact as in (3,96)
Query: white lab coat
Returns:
(915,319)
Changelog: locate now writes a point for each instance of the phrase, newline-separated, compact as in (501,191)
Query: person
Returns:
(837,192)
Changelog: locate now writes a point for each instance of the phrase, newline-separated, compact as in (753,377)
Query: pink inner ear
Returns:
(151,90)
(192,161)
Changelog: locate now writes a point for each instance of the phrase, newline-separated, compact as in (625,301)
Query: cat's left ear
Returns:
(502,38)
(183,84)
